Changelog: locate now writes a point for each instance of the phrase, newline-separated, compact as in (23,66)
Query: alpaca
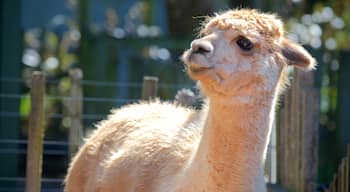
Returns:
(240,61)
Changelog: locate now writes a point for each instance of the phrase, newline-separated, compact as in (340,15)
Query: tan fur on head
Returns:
(255,22)
(271,53)
(260,25)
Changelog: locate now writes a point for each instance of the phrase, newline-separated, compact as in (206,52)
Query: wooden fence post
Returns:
(334,183)
(298,133)
(75,109)
(309,138)
(149,88)
(310,111)
(341,179)
(35,133)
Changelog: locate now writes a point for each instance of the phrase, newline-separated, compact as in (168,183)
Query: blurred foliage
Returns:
(184,15)
(54,51)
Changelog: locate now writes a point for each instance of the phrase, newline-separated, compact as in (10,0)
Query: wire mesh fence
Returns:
(56,155)
(56,152)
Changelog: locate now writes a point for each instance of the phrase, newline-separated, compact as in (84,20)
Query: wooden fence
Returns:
(297,134)
(341,179)
(74,104)
(35,133)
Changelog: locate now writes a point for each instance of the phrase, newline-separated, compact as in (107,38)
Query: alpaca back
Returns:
(138,147)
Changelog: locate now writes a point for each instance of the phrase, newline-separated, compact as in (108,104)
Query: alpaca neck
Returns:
(234,142)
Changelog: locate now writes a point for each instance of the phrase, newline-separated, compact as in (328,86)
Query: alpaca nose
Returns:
(201,47)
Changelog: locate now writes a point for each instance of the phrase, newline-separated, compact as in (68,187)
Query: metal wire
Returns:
(67,98)
(19,189)
(23,179)
(24,141)
(24,151)
(54,115)
(104,83)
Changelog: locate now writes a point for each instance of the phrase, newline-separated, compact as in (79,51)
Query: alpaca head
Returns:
(243,53)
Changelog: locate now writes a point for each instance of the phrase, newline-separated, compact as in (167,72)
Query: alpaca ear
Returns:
(296,55)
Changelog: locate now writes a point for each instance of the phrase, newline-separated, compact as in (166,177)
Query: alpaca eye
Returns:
(244,43)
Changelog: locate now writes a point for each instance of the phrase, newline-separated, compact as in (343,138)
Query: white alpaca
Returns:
(240,62)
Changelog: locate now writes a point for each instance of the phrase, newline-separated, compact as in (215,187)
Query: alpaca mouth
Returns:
(200,69)
(196,63)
